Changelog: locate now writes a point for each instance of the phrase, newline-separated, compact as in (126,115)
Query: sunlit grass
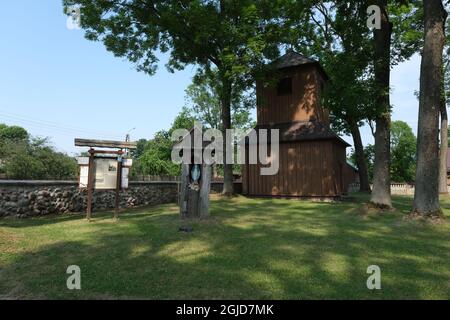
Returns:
(249,249)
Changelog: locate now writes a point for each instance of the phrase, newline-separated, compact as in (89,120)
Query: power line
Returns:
(48,123)
(51,130)
(54,126)
(59,130)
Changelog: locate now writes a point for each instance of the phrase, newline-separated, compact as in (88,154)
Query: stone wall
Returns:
(23,199)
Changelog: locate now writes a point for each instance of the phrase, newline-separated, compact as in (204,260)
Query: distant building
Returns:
(312,157)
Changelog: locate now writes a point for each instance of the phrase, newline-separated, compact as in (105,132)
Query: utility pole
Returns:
(127,139)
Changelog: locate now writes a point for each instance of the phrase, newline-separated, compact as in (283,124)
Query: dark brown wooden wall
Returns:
(339,167)
(350,175)
(306,170)
(346,174)
(301,105)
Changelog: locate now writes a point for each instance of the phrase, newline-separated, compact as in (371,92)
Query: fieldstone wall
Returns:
(22,199)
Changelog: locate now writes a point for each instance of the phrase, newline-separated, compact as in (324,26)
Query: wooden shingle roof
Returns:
(292,59)
(303,131)
(295,59)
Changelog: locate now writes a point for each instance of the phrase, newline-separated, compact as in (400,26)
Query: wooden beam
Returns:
(118,188)
(105,144)
(120,152)
(90,186)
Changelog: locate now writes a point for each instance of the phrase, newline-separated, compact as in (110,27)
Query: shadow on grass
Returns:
(96,216)
(257,249)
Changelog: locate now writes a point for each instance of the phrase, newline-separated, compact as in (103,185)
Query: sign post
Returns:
(90,185)
(118,186)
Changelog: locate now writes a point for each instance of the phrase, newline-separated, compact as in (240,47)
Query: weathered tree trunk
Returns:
(426,198)
(205,190)
(381,193)
(364,185)
(226,92)
(193,203)
(228,187)
(443,188)
(184,190)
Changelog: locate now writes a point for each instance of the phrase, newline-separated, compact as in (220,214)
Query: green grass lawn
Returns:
(249,249)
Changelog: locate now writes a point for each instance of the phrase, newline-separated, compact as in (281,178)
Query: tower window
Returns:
(284,87)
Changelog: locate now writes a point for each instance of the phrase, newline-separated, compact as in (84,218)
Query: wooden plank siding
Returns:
(302,105)
(344,173)
(306,170)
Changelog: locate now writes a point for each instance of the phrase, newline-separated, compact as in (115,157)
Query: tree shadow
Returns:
(96,216)
(255,249)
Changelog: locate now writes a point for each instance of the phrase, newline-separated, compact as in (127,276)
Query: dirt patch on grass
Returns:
(379,207)
(9,242)
(368,209)
(436,217)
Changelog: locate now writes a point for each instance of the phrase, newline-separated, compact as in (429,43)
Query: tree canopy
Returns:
(203,102)
(13,133)
(29,158)
(153,157)
(403,152)
(236,37)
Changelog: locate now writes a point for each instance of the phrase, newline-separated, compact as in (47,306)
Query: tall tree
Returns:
(348,99)
(233,36)
(426,198)
(349,96)
(339,38)
(381,193)
(443,150)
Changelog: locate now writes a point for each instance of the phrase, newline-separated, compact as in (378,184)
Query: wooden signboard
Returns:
(106,172)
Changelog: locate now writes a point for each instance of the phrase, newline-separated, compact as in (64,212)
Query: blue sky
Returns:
(55,83)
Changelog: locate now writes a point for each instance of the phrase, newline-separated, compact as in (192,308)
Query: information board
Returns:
(105,173)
